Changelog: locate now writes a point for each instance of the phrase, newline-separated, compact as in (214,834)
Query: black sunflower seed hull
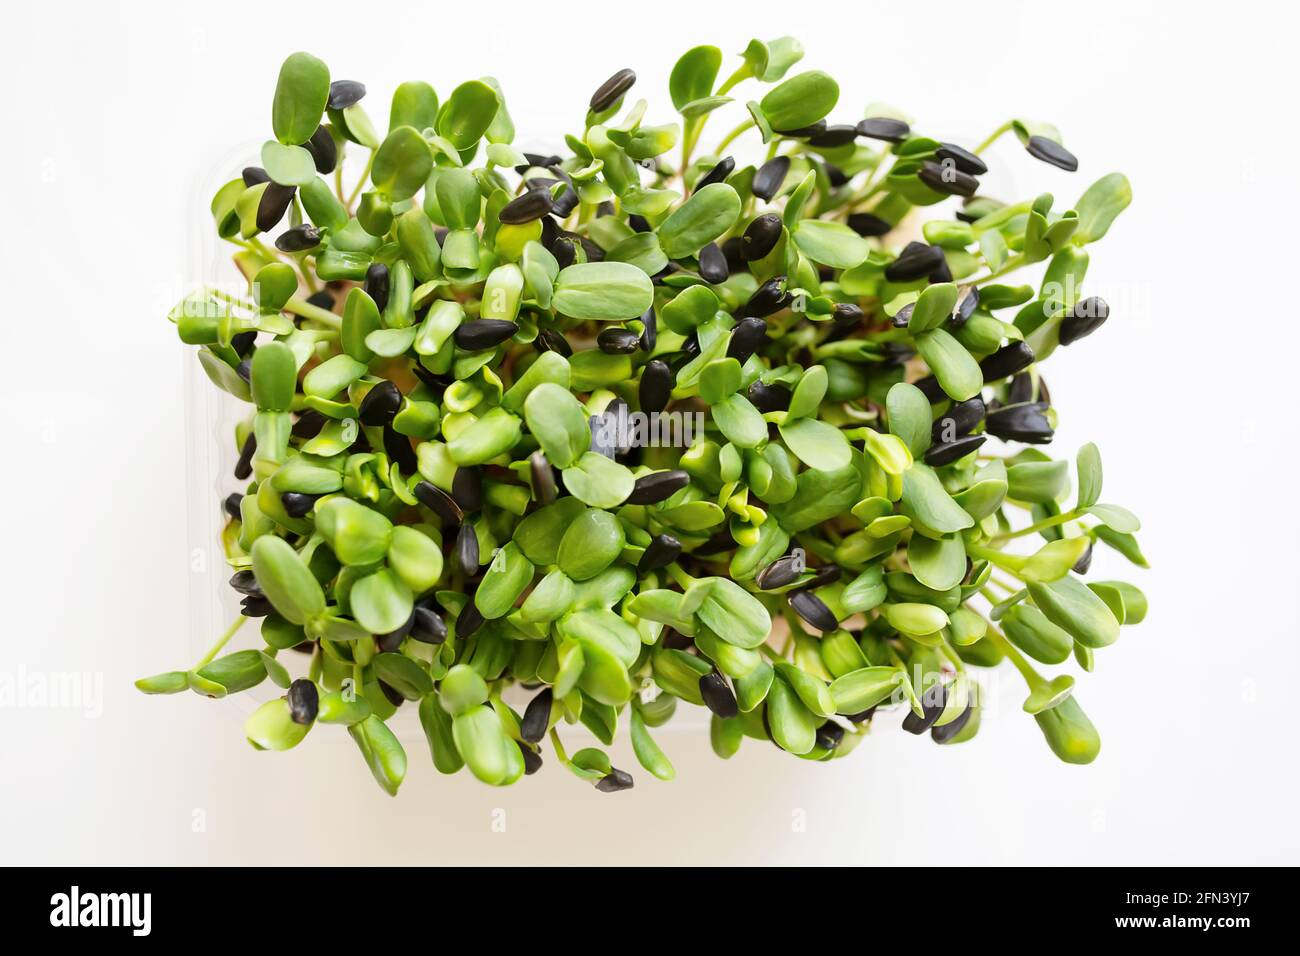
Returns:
(380,405)
(946,453)
(826,574)
(1024,423)
(862,716)
(467,556)
(244,465)
(612,90)
(345,93)
(768,398)
(760,237)
(439,502)
(615,341)
(1084,319)
(804,132)
(747,336)
(393,695)
(469,620)
(537,717)
(847,314)
(480,334)
(427,626)
(614,781)
(1085,561)
(933,701)
(303,700)
(813,610)
(467,488)
(398,448)
(252,175)
(725,167)
(713,264)
(770,177)
(296,504)
(243,343)
(915,262)
(245,582)
(829,735)
(649,329)
(868,226)
(1021,390)
(563,205)
(376,284)
(656,386)
(883,128)
(941,735)
(947,179)
(309,424)
(551,340)
(784,570)
(273,205)
(769,298)
(658,486)
(532,205)
(324,299)
(393,639)
(532,759)
(1052,152)
(958,420)
(718,696)
(931,389)
(662,551)
(324,153)
(963,159)
(834,136)
(966,306)
(255,605)
(1007,361)
(543,478)
(300,238)
(231,505)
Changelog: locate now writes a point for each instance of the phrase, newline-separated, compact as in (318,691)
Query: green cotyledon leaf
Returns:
(604,291)
(705,216)
(301,93)
(286,580)
(800,101)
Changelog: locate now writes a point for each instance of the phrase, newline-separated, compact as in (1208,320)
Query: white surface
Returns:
(1189,391)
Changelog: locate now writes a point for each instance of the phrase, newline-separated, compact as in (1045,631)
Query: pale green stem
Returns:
(1012,264)
(1031,676)
(361,183)
(742,73)
(317,663)
(731,137)
(314,312)
(953,656)
(993,137)
(338,175)
(222,641)
(1046,523)
(683,579)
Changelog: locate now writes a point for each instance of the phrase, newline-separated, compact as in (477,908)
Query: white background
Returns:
(114,123)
